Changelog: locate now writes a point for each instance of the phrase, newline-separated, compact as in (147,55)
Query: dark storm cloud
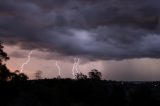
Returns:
(96,29)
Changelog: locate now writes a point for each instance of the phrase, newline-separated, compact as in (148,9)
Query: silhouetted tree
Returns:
(17,72)
(13,77)
(3,55)
(23,77)
(38,75)
(16,76)
(4,71)
(95,74)
(81,76)
(5,74)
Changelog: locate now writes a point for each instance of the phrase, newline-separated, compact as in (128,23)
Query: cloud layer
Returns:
(95,29)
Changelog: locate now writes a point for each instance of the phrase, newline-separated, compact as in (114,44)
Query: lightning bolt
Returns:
(77,64)
(28,60)
(59,69)
(75,67)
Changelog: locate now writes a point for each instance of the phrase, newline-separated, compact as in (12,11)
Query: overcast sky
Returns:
(119,38)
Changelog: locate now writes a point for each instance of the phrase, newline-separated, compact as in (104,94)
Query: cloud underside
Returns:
(94,29)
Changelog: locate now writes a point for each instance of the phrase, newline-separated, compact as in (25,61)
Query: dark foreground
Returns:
(66,92)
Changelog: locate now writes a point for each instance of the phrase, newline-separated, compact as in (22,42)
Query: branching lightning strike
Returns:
(59,69)
(28,60)
(75,67)
(73,74)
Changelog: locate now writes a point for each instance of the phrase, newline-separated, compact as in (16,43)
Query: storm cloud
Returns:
(94,29)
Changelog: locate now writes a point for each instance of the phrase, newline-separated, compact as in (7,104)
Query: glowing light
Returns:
(28,60)
(75,67)
(73,70)
(59,69)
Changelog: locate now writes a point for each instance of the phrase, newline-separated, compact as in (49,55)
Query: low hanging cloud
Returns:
(94,29)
